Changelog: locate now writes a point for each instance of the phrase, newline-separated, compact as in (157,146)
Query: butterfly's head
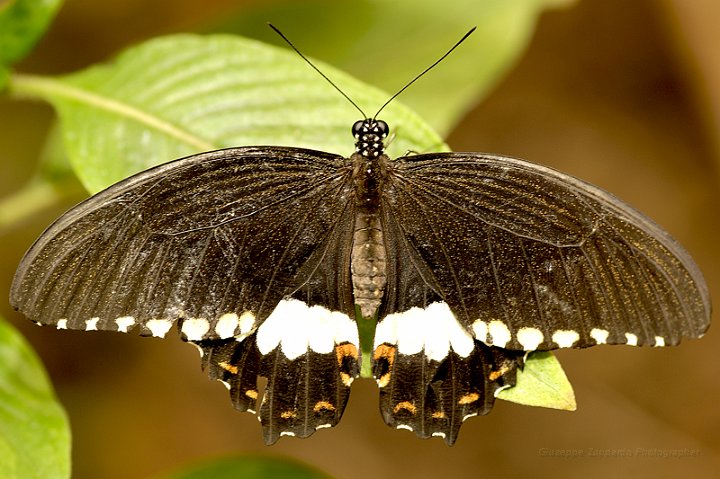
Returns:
(369,135)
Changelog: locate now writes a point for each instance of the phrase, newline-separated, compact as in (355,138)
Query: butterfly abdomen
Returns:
(368,265)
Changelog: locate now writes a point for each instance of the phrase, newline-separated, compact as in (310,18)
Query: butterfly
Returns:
(269,259)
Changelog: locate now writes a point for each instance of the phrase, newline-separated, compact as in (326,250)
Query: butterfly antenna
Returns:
(425,71)
(317,69)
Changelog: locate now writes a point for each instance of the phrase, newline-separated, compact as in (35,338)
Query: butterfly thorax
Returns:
(368,263)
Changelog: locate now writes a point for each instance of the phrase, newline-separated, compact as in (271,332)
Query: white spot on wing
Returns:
(124,322)
(468,416)
(439,434)
(62,324)
(247,321)
(530,338)
(501,388)
(632,339)
(226,325)
(287,433)
(499,333)
(565,338)
(323,426)
(480,328)
(434,330)
(297,327)
(195,329)
(91,324)
(659,341)
(599,335)
(404,426)
(159,327)
(337,327)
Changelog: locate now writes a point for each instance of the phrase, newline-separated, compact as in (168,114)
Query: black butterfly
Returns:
(264,255)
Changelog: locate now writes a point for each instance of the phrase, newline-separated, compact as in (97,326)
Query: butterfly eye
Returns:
(358,127)
(383,128)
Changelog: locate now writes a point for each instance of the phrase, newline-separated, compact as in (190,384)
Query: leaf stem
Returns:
(47,88)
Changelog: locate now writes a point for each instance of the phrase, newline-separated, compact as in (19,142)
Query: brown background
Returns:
(623,94)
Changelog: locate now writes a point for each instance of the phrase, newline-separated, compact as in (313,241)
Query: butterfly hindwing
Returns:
(432,394)
(306,389)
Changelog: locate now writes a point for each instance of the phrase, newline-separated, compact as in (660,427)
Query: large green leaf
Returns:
(22,22)
(34,431)
(249,468)
(541,383)
(386,43)
(178,95)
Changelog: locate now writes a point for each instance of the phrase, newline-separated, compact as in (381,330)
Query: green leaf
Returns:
(541,383)
(34,431)
(387,43)
(178,95)
(249,468)
(22,23)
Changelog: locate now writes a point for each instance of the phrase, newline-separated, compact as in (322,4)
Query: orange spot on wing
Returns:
(323,405)
(344,350)
(346,379)
(495,375)
(406,405)
(228,367)
(469,398)
(347,357)
(288,414)
(387,353)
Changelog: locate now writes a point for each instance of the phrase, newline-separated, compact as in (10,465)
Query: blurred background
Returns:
(625,95)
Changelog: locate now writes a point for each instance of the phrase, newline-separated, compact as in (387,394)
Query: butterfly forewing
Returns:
(219,232)
(529,258)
